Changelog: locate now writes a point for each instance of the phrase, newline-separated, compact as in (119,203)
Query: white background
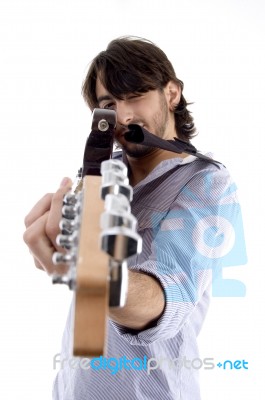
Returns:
(217,48)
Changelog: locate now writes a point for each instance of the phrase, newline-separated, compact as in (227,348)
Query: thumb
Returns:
(66,182)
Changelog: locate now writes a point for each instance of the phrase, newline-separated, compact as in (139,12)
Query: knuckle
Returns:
(27,220)
(52,229)
(29,237)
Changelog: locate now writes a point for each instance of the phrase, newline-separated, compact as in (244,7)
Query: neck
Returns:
(142,166)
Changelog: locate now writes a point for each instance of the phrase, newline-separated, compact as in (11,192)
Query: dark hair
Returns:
(135,65)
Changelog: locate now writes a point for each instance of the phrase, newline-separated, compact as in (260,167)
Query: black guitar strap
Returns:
(137,134)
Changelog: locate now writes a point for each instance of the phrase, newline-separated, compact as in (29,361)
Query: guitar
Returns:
(98,233)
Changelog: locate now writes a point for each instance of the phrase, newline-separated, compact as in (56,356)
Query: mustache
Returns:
(121,129)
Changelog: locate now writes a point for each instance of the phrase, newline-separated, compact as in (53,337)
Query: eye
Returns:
(108,106)
(133,96)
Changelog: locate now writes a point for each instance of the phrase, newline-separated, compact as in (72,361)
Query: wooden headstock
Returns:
(99,234)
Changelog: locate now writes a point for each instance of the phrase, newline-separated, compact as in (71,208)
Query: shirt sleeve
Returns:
(194,239)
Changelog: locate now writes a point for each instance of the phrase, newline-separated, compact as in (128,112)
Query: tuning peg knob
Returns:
(114,179)
(67,258)
(67,241)
(70,212)
(65,280)
(110,220)
(70,199)
(68,226)
(117,203)
(114,166)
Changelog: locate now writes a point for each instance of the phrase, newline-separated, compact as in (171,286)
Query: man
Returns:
(178,201)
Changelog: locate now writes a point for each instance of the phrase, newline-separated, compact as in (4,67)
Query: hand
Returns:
(42,227)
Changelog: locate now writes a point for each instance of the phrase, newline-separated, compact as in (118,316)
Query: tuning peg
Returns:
(70,199)
(111,177)
(121,243)
(110,220)
(114,179)
(117,203)
(70,212)
(118,283)
(68,226)
(117,213)
(115,166)
(65,280)
(67,241)
(116,190)
(61,258)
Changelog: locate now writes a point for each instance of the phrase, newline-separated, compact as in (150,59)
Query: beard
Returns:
(159,123)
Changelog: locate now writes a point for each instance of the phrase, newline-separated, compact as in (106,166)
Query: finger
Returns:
(43,259)
(40,208)
(44,204)
(39,244)
(36,262)
(50,267)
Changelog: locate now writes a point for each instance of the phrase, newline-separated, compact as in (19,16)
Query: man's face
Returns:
(149,110)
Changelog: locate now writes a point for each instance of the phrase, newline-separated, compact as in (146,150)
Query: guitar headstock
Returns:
(98,235)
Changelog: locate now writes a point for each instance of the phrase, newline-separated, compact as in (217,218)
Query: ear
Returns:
(173,93)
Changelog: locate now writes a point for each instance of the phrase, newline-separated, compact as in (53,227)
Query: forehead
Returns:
(100,89)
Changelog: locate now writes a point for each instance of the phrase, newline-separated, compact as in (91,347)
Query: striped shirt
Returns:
(177,205)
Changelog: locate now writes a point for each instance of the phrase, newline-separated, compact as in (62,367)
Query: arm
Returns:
(145,302)
(180,253)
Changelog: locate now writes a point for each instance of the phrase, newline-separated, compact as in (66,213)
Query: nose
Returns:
(124,113)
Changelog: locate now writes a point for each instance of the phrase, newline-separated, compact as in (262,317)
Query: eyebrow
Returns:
(105,97)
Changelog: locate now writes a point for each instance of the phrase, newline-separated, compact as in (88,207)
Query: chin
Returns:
(137,151)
